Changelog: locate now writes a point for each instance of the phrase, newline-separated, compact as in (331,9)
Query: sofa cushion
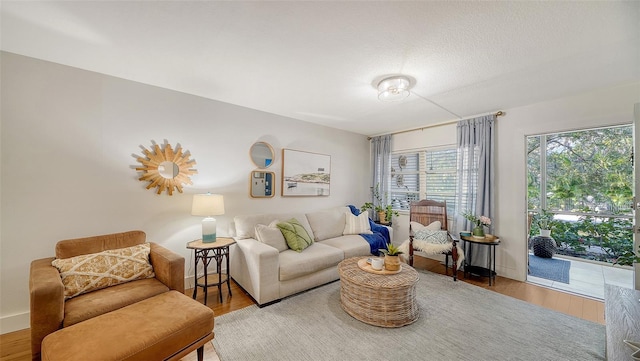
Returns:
(295,234)
(246,225)
(352,245)
(148,330)
(327,224)
(357,224)
(315,258)
(102,301)
(86,273)
(272,236)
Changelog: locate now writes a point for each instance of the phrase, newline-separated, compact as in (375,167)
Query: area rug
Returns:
(458,321)
(549,268)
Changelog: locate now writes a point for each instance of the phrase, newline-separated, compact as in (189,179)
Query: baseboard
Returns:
(189,282)
(14,323)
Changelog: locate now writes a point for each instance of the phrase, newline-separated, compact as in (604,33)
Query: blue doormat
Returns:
(549,268)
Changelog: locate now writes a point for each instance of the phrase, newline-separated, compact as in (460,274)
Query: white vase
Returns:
(545,232)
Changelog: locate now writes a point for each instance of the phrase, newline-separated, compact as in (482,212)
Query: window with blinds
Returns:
(405,179)
(427,174)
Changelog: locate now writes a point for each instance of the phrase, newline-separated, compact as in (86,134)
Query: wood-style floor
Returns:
(15,346)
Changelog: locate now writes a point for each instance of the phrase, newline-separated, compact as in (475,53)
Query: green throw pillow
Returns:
(294,233)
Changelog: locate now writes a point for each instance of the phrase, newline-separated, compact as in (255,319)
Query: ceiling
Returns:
(319,61)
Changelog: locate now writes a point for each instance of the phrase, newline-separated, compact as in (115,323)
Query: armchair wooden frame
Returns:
(425,212)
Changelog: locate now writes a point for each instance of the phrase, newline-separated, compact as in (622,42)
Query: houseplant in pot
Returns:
(544,220)
(386,214)
(384,211)
(543,245)
(391,257)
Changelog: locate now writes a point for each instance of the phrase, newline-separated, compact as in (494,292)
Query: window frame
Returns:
(422,191)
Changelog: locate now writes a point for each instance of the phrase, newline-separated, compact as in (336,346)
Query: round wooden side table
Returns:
(488,241)
(206,252)
(385,300)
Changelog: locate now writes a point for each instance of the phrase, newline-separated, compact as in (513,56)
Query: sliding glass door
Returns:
(585,180)
(636,164)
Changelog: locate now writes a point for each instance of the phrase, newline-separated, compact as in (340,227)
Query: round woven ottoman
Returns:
(378,299)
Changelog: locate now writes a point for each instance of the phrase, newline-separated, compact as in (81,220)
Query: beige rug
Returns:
(458,321)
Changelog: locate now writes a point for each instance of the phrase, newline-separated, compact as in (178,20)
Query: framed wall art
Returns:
(305,174)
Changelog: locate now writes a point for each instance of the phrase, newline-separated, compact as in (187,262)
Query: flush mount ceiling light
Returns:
(393,88)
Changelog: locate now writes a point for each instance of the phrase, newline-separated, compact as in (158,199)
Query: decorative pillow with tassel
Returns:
(90,272)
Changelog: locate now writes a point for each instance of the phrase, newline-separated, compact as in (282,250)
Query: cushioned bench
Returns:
(164,327)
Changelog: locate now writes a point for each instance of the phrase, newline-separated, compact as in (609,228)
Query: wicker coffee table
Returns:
(379,300)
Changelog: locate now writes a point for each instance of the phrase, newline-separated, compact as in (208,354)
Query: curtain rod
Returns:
(497,114)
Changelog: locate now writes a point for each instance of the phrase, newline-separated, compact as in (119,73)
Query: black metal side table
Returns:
(489,271)
(216,251)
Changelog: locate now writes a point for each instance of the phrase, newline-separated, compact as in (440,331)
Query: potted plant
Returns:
(386,215)
(543,245)
(478,223)
(545,222)
(385,212)
(391,257)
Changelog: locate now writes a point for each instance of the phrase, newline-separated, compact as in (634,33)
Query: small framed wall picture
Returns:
(305,174)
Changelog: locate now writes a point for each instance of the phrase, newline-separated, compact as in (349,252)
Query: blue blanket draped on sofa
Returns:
(380,237)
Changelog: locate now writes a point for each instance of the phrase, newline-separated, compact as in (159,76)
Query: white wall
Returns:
(612,106)
(68,137)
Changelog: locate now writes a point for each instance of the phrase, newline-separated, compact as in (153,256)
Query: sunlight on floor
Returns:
(588,279)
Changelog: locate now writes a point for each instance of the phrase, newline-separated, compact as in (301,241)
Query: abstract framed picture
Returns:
(305,174)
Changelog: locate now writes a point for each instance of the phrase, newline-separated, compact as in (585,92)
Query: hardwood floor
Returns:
(570,304)
(15,346)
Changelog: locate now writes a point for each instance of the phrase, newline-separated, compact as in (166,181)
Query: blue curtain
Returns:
(475,175)
(381,168)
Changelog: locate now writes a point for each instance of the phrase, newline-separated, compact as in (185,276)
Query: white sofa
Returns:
(269,274)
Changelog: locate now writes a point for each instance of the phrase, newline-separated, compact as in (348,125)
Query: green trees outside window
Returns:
(586,179)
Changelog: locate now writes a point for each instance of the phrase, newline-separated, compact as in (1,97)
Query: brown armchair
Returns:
(49,309)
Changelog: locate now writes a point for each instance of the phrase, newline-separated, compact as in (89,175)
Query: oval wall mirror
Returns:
(262,184)
(261,154)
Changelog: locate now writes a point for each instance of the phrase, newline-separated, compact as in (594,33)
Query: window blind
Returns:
(425,174)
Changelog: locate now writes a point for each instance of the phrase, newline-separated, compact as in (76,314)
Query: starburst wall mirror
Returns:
(165,168)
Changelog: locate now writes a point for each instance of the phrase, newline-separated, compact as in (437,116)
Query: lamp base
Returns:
(208,238)
(208,230)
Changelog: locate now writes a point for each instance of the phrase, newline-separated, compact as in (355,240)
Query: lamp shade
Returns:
(394,88)
(207,205)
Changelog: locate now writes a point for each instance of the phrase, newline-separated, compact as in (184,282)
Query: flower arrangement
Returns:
(478,222)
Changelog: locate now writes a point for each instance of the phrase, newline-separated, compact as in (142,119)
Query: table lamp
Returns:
(208,205)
